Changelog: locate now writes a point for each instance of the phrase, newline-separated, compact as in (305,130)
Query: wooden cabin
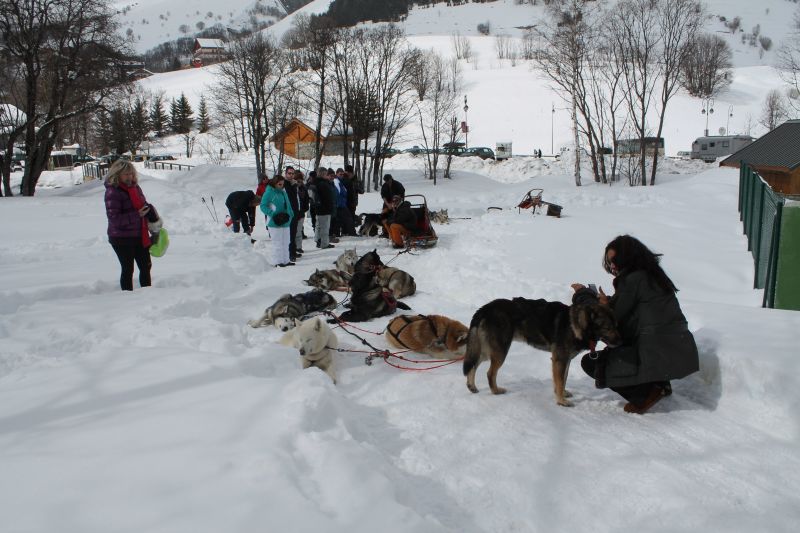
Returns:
(775,156)
(208,51)
(298,140)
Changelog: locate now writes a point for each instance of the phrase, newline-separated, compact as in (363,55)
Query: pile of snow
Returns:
(161,410)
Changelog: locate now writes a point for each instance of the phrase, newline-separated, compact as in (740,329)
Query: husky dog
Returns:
(440,216)
(367,298)
(315,340)
(560,329)
(371,223)
(346,261)
(328,280)
(434,335)
(401,283)
(297,306)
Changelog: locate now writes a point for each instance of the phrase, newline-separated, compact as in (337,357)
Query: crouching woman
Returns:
(657,345)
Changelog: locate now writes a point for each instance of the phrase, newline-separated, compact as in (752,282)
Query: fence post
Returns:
(772,264)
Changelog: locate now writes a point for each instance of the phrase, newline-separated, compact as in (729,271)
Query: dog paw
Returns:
(565,403)
(472,388)
(498,390)
(567,394)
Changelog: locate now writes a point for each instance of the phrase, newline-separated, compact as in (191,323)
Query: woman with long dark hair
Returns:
(275,204)
(657,345)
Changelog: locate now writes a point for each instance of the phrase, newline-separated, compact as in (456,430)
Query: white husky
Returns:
(315,340)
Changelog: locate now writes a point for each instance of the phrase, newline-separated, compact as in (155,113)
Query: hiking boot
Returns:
(330,246)
(656,393)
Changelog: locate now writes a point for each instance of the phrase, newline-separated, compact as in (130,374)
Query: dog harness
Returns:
(390,300)
(408,319)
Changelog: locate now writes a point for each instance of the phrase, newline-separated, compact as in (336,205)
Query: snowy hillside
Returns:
(162,411)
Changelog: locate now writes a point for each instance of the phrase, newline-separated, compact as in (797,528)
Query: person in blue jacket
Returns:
(276,206)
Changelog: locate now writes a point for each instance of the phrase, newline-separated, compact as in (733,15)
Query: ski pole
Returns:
(203,199)
(215,209)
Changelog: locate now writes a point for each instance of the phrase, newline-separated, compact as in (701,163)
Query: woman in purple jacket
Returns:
(128,214)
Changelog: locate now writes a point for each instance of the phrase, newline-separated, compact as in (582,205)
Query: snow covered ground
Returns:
(162,411)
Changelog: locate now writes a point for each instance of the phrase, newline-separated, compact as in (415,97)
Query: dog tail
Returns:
(472,357)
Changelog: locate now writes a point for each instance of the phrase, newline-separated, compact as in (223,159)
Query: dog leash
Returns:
(386,354)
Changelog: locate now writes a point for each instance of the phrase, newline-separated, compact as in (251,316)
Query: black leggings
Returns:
(636,394)
(127,254)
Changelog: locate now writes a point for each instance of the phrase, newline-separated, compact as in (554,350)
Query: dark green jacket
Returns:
(657,344)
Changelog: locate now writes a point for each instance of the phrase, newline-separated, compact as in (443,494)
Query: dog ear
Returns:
(460,339)
(579,320)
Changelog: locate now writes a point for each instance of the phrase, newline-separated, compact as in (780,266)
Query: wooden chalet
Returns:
(775,156)
(297,139)
(208,51)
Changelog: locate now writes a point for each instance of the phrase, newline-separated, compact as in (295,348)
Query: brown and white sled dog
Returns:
(434,335)
(401,283)
(328,280)
(560,329)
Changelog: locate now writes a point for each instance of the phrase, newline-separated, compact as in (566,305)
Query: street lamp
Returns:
(552,117)
(707,109)
(728,123)
(466,123)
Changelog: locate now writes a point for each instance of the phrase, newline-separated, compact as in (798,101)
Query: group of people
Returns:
(329,197)
(656,346)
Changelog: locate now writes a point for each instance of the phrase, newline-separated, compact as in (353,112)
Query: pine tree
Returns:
(119,131)
(158,119)
(138,124)
(203,120)
(181,112)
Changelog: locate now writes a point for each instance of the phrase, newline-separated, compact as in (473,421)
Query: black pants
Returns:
(636,394)
(127,254)
(292,239)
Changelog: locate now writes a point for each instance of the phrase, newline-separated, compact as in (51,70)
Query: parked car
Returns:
(162,158)
(414,150)
(478,151)
(387,152)
(454,148)
(79,160)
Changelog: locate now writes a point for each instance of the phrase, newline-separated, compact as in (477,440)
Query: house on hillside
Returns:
(297,139)
(208,51)
(775,156)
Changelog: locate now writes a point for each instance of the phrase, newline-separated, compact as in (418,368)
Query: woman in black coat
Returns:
(657,344)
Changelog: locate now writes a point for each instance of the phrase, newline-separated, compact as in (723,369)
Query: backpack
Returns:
(313,195)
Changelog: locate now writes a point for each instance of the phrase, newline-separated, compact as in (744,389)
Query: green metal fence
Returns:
(760,208)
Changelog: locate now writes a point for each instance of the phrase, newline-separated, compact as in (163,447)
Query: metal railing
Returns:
(760,211)
(164,164)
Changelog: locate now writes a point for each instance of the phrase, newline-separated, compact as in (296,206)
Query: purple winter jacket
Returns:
(123,218)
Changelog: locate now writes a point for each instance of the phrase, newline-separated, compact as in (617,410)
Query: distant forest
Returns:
(351,12)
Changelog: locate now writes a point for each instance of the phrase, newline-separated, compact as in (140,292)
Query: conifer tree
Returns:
(181,112)
(203,120)
(158,118)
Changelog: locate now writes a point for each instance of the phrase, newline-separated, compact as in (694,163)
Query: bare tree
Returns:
(634,28)
(461,46)
(788,62)
(436,110)
(678,24)
(705,69)
(774,112)
(12,118)
(257,68)
(70,56)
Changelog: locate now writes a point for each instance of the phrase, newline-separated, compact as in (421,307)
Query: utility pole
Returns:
(552,117)
(466,123)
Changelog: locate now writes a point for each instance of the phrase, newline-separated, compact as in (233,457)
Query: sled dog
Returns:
(316,343)
(297,306)
(347,261)
(434,335)
(401,283)
(367,298)
(560,329)
(328,280)
(371,223)
(440,216)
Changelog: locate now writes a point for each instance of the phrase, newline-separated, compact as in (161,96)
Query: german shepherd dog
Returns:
(328,280)
(370,224)
(434,335)
(367,298)
(561,329)
(297,306)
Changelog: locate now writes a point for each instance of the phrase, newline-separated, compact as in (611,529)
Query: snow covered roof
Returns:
(778,148)
(210,43)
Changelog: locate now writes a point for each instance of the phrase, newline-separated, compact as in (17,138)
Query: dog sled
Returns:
(533,199)
(424,236)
